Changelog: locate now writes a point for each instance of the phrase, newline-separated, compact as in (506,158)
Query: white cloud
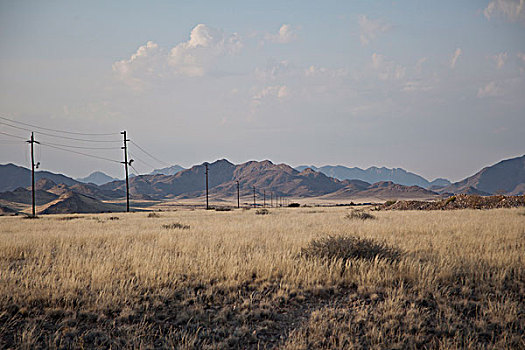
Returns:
(386,69)
(285,35)
(455,58)
(490,90)
(510,9)
(148,61)
(500,59)
(195,56)
(370,29)
(191,58)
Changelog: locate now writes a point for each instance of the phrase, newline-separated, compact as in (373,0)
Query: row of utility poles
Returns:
(279,201)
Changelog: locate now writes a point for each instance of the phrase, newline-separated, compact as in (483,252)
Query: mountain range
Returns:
(375,174)
(506,177)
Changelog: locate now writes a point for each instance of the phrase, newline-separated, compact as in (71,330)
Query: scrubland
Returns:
(297,278)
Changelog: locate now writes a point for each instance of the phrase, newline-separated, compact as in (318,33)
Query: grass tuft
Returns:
(360,215)
(176,225)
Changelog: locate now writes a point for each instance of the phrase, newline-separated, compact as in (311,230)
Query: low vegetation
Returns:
(360,215)
(409,279)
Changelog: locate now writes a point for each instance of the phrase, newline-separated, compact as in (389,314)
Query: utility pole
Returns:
(271,199)
(264,198)
(238,196)
(125,162)
(207,202)
(32,142)
(254,204)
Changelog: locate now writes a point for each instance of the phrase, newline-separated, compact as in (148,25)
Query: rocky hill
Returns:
(277,179)
(72,202)
(14,176)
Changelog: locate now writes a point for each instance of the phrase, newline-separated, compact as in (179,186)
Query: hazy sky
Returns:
(435,87)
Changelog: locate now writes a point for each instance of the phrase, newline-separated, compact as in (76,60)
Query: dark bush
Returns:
(223,209)
(262,212)
(294,205)
(348,247)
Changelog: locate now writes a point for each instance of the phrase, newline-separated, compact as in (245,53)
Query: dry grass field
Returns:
(297,278)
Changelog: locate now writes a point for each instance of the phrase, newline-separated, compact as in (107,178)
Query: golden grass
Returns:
(237,279)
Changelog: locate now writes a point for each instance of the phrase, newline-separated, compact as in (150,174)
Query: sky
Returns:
(434,87)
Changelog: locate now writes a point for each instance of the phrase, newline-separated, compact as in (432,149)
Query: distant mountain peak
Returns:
(374,174)
(97,178)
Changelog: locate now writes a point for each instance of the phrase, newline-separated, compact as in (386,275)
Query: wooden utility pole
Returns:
(264,198)
(125,162)
(238,195)
(207,202)
(32,142)
(271,199)
(254,204)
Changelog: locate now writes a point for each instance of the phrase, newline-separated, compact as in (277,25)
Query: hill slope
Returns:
(71,202)
(505,177)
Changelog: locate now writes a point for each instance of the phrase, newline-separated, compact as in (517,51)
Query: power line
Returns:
(80,147)
(57,136)
(55,130)
(18,137)
(81,153)
(140,160)
(149,154)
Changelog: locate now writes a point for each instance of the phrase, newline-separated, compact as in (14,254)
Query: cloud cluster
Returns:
(286,34)
(490,90)
(509,9)
(370,29)
(500,59)
(192,58)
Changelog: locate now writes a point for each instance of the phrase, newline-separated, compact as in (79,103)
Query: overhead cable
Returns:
(60,131)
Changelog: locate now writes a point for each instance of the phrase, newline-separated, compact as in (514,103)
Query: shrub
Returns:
(389,203)
(176,225)
(348,247)
(360,214)
(262,212)
(153,215)
(223,209)
(294,205)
